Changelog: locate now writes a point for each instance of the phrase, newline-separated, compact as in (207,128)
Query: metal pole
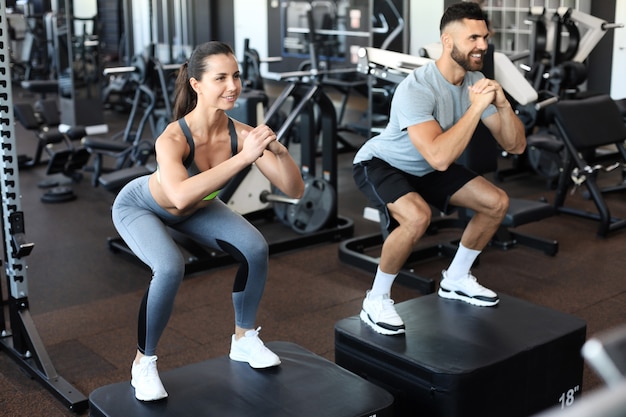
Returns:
(21,340)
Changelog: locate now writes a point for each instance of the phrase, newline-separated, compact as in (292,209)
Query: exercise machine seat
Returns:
(115,180)
(44,121)
(526,211)
(41,87)
(106,145)
(585,125)
(27,116)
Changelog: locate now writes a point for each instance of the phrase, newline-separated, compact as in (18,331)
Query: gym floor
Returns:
(84,298)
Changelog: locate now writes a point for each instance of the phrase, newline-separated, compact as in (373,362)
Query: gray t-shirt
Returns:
(422,96)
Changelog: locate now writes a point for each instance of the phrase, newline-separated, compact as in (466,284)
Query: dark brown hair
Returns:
(460,11)
(185,97)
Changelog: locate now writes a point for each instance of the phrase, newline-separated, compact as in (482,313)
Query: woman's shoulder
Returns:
(172,134)
(239,126)
(172,130)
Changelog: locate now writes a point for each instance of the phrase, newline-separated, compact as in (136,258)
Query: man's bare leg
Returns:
(489,204)
(413,215)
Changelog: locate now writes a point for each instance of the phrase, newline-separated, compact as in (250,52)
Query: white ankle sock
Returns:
(382,283)
(462,263)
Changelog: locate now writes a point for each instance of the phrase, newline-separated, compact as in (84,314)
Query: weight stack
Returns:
(458,360)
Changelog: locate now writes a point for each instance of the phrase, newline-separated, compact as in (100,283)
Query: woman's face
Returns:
(220,84)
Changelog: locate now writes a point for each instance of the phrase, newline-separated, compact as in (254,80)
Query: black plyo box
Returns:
(304,385)
(458,360)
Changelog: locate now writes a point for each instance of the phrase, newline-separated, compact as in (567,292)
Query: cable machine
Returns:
(20,339)
(78,67)
(164,29)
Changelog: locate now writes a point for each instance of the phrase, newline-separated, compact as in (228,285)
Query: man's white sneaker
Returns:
(379,313)
(467,289)
(251,349)
(145,379)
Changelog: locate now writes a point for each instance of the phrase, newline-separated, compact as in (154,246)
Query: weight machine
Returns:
(33,57)
(558,68)
(559,47)
(150,107)
(77,67)
(583,125)
(316,210)
(310,107)
(68,160)
(328,34)
(165,29)
(20,339)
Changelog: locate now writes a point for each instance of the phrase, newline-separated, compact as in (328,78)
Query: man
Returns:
(482,4)
(410,166)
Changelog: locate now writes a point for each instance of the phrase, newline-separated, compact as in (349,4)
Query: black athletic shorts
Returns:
(384,184)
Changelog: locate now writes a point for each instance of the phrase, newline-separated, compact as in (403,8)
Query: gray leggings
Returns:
(141,222)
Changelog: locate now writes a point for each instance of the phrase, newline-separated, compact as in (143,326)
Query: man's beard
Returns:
(465,61)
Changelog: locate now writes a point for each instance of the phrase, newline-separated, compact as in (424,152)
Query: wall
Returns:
(618,82)
(424,23)
(251,22)
(601,59)
(223,16)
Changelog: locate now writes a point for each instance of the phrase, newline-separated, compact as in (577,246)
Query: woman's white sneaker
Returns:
(145,379)
(251,349)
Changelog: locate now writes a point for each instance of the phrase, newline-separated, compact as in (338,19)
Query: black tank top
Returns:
(189,162)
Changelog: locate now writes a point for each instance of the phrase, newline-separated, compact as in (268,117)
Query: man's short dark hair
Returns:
(459,11)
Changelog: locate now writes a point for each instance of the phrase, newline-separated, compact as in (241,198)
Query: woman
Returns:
(197,155)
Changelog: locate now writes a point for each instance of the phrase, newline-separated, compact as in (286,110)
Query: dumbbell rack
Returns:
(21,339)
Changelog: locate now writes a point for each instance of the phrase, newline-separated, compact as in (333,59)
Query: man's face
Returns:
(469,44)
(472,61)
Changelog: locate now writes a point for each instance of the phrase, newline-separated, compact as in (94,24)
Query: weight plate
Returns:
(314,209)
